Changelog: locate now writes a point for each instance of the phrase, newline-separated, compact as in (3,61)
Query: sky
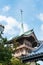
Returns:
(10,17)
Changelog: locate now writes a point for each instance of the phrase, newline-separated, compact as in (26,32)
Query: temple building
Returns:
(27,42)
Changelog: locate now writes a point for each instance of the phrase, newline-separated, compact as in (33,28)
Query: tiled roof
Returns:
(37,54)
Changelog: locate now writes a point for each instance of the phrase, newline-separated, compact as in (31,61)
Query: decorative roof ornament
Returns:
(22,20)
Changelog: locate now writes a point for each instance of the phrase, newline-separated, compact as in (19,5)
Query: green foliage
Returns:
(5,53)
(0,63)
(16,61)
(4,40)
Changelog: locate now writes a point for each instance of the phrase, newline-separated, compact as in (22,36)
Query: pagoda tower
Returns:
(27,43)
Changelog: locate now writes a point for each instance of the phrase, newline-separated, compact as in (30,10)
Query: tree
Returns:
(4,40)
(16,61)
(5,53)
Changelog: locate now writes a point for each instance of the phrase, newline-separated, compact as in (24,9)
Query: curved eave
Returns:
(24,46)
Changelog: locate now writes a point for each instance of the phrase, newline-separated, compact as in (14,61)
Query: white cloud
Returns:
(2,18)
(11,21)
(12,26)
(40,16)
(6,8)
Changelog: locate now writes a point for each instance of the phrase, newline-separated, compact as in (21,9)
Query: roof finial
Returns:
(22,20)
